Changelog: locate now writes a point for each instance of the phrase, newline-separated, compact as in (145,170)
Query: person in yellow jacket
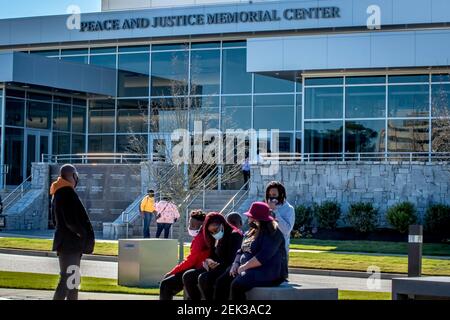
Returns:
(147,210)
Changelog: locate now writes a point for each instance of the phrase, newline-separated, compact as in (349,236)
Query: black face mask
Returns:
(253,225)
(276,200)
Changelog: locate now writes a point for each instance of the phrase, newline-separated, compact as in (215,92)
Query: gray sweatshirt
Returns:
(285,216)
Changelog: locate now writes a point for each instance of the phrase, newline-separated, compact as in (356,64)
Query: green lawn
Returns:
(18,280)
(430,249)
(331,259)
(360,262)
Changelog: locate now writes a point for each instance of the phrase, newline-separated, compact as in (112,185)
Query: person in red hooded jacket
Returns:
(224,241)
(174,281)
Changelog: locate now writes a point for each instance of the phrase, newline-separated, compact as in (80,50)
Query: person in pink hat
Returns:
(261,261)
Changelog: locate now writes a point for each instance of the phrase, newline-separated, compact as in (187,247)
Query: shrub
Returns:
(437,219)
(327,214)
(362,217)
(401,216)
(303,217)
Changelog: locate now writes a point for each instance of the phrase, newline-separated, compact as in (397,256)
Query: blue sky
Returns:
(27,8)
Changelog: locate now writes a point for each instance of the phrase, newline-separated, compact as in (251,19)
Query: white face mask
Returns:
(193,233)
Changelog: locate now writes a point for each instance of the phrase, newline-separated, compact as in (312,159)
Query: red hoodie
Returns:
(199,252)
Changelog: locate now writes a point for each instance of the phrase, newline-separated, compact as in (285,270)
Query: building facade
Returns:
(340,79)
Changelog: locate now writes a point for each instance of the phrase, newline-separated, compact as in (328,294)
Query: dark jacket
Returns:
(270,251)
(71,219)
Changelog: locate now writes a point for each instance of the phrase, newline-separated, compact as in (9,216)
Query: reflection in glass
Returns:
(366,80)
(15,112)
(132,144)
(409,101)
(78,120)
(323,137)
(236,112)
(38,114)
(101,116)
(14,141)
(168,114)
(101,144)
(78,143)
(170,73)
(235,78)
(409,78)
(205,110)
(133,79)
(76,59)
(323,103)
(61,143)
(107,61)
(365,102)
(324,81)
(272,84)
(285,142)
(440,100)
(61,117)
(365,136)
(205,72)
(440,140)
(408,135)
(132,115)
(274,112)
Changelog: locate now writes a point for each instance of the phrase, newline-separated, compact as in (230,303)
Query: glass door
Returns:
(37,143)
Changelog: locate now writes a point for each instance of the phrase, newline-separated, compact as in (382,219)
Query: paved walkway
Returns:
(101,269)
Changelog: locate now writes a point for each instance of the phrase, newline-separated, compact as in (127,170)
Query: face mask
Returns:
(253,225)
(193,233)
(218,235)
(274,200)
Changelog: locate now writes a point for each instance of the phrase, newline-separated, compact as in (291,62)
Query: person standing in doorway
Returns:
(147,210)
(246,171)
(167,215)
(74,235)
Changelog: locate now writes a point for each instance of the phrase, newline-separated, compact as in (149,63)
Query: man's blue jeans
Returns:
(147,221)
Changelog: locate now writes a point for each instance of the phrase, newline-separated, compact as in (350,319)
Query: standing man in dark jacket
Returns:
(74,235)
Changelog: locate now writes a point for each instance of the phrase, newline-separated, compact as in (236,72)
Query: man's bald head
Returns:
(67,170)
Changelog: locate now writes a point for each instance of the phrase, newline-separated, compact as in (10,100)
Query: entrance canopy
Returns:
(36,70)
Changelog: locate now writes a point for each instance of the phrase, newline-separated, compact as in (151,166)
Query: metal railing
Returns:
(359,157)
(17,194)
(85,158)
(236,199)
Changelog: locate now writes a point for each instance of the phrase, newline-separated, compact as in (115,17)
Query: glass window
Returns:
(103,50)
(366,80)
(170,73)
(14,141)
(230,44)
(134,49)
(46,53)
(205,45)
(61,117)
(323,137)
(206,111)
(365,102)
(108,61)
(78,143)
(168,114)
(14,112)
(299,112)
(79,102)
(323,81)
(285,142)
(78,120)
(101,116)
(365,136)
(76,59)
(440,100)
(61,143)
(236,112)
(408,135)
(440,135)
(272,84)
(133,75)
(15,93)
(205,72)
(409,78)
(39,96)
(132,144)
(60,99)
(236,101)
(39,114)
(235,78)
(440,78)
(66,52)
(409,101)
(274,112)
(298,142)
(132,115)
(101,144)
(166,47)
(323,103)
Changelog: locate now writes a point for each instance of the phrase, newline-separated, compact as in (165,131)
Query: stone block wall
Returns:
(383,184)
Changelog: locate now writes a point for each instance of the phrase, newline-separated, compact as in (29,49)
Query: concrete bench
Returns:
(288,291)
(421,288)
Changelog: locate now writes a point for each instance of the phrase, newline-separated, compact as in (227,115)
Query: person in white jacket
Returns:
(167,215)
(282,210)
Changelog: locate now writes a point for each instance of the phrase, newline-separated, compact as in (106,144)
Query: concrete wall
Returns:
(31,211)
(383,184)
